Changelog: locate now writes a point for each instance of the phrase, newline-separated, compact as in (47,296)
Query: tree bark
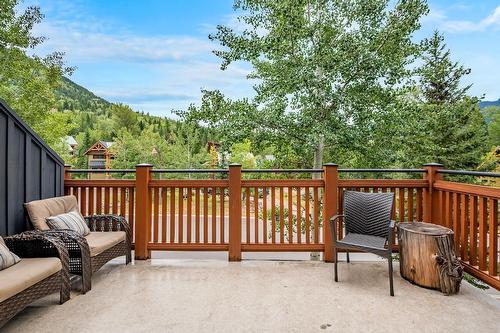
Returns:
(427,257)
(318,164)
(318,156)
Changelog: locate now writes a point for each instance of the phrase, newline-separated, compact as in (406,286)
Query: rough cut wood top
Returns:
(425,228)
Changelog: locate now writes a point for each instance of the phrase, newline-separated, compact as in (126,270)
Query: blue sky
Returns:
(155,55)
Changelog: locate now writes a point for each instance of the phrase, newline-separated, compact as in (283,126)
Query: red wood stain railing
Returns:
(189,215)
(272,215)
(282,215)
(472,212)
(106,196)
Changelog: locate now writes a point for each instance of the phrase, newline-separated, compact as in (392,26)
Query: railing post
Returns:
(432,209)
(235,212)
(330,177)
(67,176)
(142,210)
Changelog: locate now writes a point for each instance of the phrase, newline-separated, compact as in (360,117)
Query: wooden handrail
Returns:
(479,190)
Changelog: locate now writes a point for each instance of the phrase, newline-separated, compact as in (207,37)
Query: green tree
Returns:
(131,150)
(444,125)
(27,83)
(492,117)
(440,77)
(242,153)
(124,118)
(323,68)
(452,134)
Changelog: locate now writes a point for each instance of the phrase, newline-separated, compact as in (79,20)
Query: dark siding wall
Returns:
(29,170)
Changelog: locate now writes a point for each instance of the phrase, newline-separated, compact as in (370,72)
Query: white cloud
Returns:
(492,20)
(89,46)
(176,85)
(155,74)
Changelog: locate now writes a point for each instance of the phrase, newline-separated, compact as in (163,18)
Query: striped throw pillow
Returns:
(7,258)
(72,221)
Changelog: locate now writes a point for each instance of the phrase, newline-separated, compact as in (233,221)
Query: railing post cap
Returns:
(433,165)
(329,164)
(235,165)
(67,165)
(142,165)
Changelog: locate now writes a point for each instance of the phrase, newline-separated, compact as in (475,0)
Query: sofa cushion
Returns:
(101,241)
(39,210)
(26,273)
(7,258)
(72,221)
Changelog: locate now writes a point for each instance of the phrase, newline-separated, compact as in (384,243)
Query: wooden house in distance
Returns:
(99,157)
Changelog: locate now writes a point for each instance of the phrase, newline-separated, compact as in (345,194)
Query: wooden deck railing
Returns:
(237,214)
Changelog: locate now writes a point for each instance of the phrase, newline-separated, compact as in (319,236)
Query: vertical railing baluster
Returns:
(180,218)
(256,214)
(189,214)
(493,237)
(483,230)
(473,230)
(172,214)
(465,228)
(164,196)
(156,213)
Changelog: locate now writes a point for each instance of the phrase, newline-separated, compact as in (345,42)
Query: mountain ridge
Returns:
(484,104)
(74,97)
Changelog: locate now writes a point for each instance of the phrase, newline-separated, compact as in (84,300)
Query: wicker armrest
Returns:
(333,225)
(35,244)
(76,244)
(109,222)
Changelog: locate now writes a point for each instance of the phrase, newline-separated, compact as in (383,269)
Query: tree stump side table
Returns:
(427,256)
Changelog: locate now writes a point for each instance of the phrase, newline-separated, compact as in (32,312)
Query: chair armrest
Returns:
(109,222)
(76,244)
(36,244)
(333,225)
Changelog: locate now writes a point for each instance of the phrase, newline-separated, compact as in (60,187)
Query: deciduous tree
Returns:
(322,68)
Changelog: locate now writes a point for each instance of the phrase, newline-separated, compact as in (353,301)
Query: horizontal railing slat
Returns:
(383,183)
(99,183)
(484,191)
(189,183)
(282,182)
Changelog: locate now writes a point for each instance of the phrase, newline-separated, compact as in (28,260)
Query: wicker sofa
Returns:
(43,270)
(110,236)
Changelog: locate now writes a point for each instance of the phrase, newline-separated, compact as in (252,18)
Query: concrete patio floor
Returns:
(181,295)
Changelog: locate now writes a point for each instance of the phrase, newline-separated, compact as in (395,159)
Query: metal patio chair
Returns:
(368,227)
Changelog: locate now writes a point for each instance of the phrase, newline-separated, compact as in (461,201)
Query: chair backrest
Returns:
(39,210)
(368,213)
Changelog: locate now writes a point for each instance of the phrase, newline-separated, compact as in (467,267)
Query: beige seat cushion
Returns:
(26,273)
(39,210)
(101,241)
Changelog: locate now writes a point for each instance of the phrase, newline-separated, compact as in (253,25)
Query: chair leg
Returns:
(335,263)
(128,257)
(348,260)
(391,283)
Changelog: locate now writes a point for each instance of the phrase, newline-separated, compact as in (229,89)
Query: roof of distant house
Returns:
(70,140)
(100,146)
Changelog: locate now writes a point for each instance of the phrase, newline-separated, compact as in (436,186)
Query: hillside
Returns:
(484,104)
(71,96)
